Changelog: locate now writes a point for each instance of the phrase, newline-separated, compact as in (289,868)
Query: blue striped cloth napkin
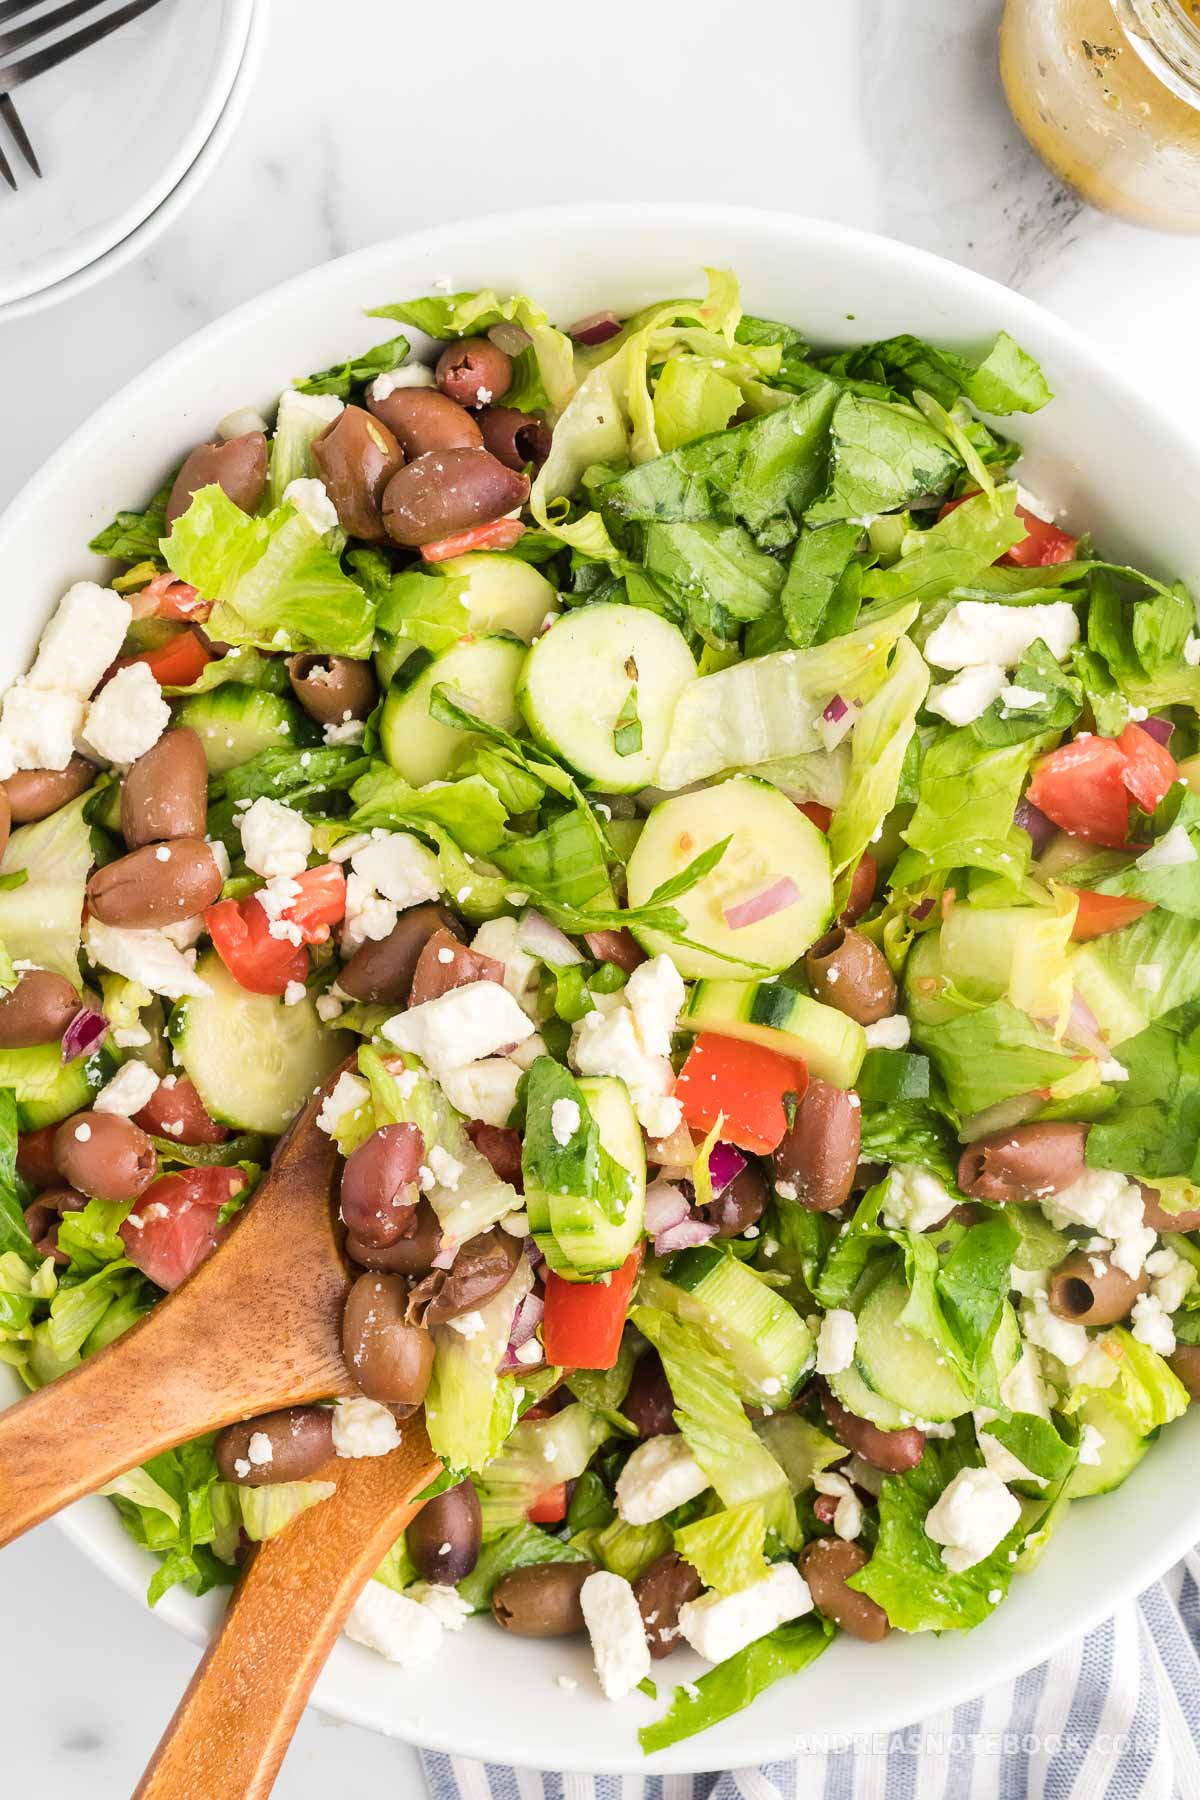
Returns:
(1113,1716)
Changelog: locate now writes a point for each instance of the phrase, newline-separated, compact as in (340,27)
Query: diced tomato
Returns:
(175,1110)
(501,534)
(35,1157)
(1081,786)
(320,903)
(1149,767)
(1101,913)
(166,597)
(1042,545)
(173,1227)
(743,1085)
(177,663)
(551,1507)
(240,931)
(821,816)
(583,1320)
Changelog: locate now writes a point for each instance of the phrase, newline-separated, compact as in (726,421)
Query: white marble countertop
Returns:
(370,120)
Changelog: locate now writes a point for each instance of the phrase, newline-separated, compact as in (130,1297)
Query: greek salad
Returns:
(729,859)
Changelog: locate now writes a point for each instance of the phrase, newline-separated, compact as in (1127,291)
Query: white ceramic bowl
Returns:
(1101,451)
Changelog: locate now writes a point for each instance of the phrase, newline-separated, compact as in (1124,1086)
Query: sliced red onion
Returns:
(1031,819)
(684,1236)
(725,1164)
(532,1254)
(509,337)
(597,328)
(526,1320)
(445,1257)
(1159,729)
(1083,1028)
(764,905)
(82,1035)
(546,941)
(666,1206)
(922,909)
(837,709)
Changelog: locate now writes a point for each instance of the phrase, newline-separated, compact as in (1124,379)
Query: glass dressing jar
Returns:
(1108,94)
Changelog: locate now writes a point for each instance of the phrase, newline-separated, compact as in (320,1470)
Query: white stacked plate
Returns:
(126,133)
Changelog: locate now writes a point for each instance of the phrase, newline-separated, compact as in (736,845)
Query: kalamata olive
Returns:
(846,970)
(410,1254)
(1185,1361)
(43,1215)
(425,419)
(1159,1219)
(1091,1290)
(620,947)
(743,1203)
(34,794)
(541,1600)
(447,491)
(891,1451)
(5,818)
(104,1155)
(482,1266)
(175,1110)
(379,1191)
(238,468)
(445,963)
(862,890)
(333,689)
(514,438)
(660,1591)
(35,1157)
(160,884)
(474,371)
(818,1157)
(502,1147)
(288,1445)
(649,1403)
(356,457)
(445,1537)
(37,1011)
(383,968)
(827,1564)
(1026,1162)
(390,1359)
(165,794)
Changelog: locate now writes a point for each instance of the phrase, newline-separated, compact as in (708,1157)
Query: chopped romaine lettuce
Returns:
(39,921)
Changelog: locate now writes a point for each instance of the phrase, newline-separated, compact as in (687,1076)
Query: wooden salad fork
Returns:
(258,1326)
(233,1726)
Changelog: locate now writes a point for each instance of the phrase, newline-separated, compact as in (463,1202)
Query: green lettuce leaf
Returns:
(40,920)
(824,585)
(471,314)
(739,1680)
(992,1053)
(14,1233)
(355,371)
(1154,1129)
(883,456)
(878,749)
(1005,380)
(133,537)
(726,1548)
(540,1453)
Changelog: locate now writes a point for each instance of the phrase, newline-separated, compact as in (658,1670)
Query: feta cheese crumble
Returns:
(836,1340)
(1110,1204)
(888,1034)
(914,1199)
(462,1026)
(564,1121)
(1152,1324)
(276,840)
(484,1090)
(617,1633)
(718,1625)
(660,1475)
(971,1516)
(347,1094)
(403,1630)
(968,695)
(363,1427)
(986,631)
(127,717)
(132,1087)
(631,1039)
(145,956)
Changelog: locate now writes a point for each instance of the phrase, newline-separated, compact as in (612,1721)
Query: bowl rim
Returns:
(964,1678)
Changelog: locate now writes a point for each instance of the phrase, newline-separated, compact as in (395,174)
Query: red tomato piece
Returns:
(175,1110)
(501,534)
(1149,767)
(177,663)
(1081,786)
(240,931)
(166,597)
(744,1085)
(320,903)
(1101,913)
(173,1227)
(583,1320)
(1042,544)
(551,1507)
(821,816)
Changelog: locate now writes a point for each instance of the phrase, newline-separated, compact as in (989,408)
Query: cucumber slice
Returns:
(48,1090)
(502,593)
(1120,1453)
(854,1394)
(570,1231)
(579,676)
(484,671)
(235,722)
(770,839)
(748,1323)
(768,1013)
(254,1061)
(905,1368)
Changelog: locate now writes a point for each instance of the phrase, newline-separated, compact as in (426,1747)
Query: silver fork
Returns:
(15,74)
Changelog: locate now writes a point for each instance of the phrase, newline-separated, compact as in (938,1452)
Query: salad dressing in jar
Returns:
(1108,94)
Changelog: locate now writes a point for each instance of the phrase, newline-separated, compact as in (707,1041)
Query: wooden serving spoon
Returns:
(256,1327)
(236,1720)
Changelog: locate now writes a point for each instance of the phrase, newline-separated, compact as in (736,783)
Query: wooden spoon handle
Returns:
(233,1726)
